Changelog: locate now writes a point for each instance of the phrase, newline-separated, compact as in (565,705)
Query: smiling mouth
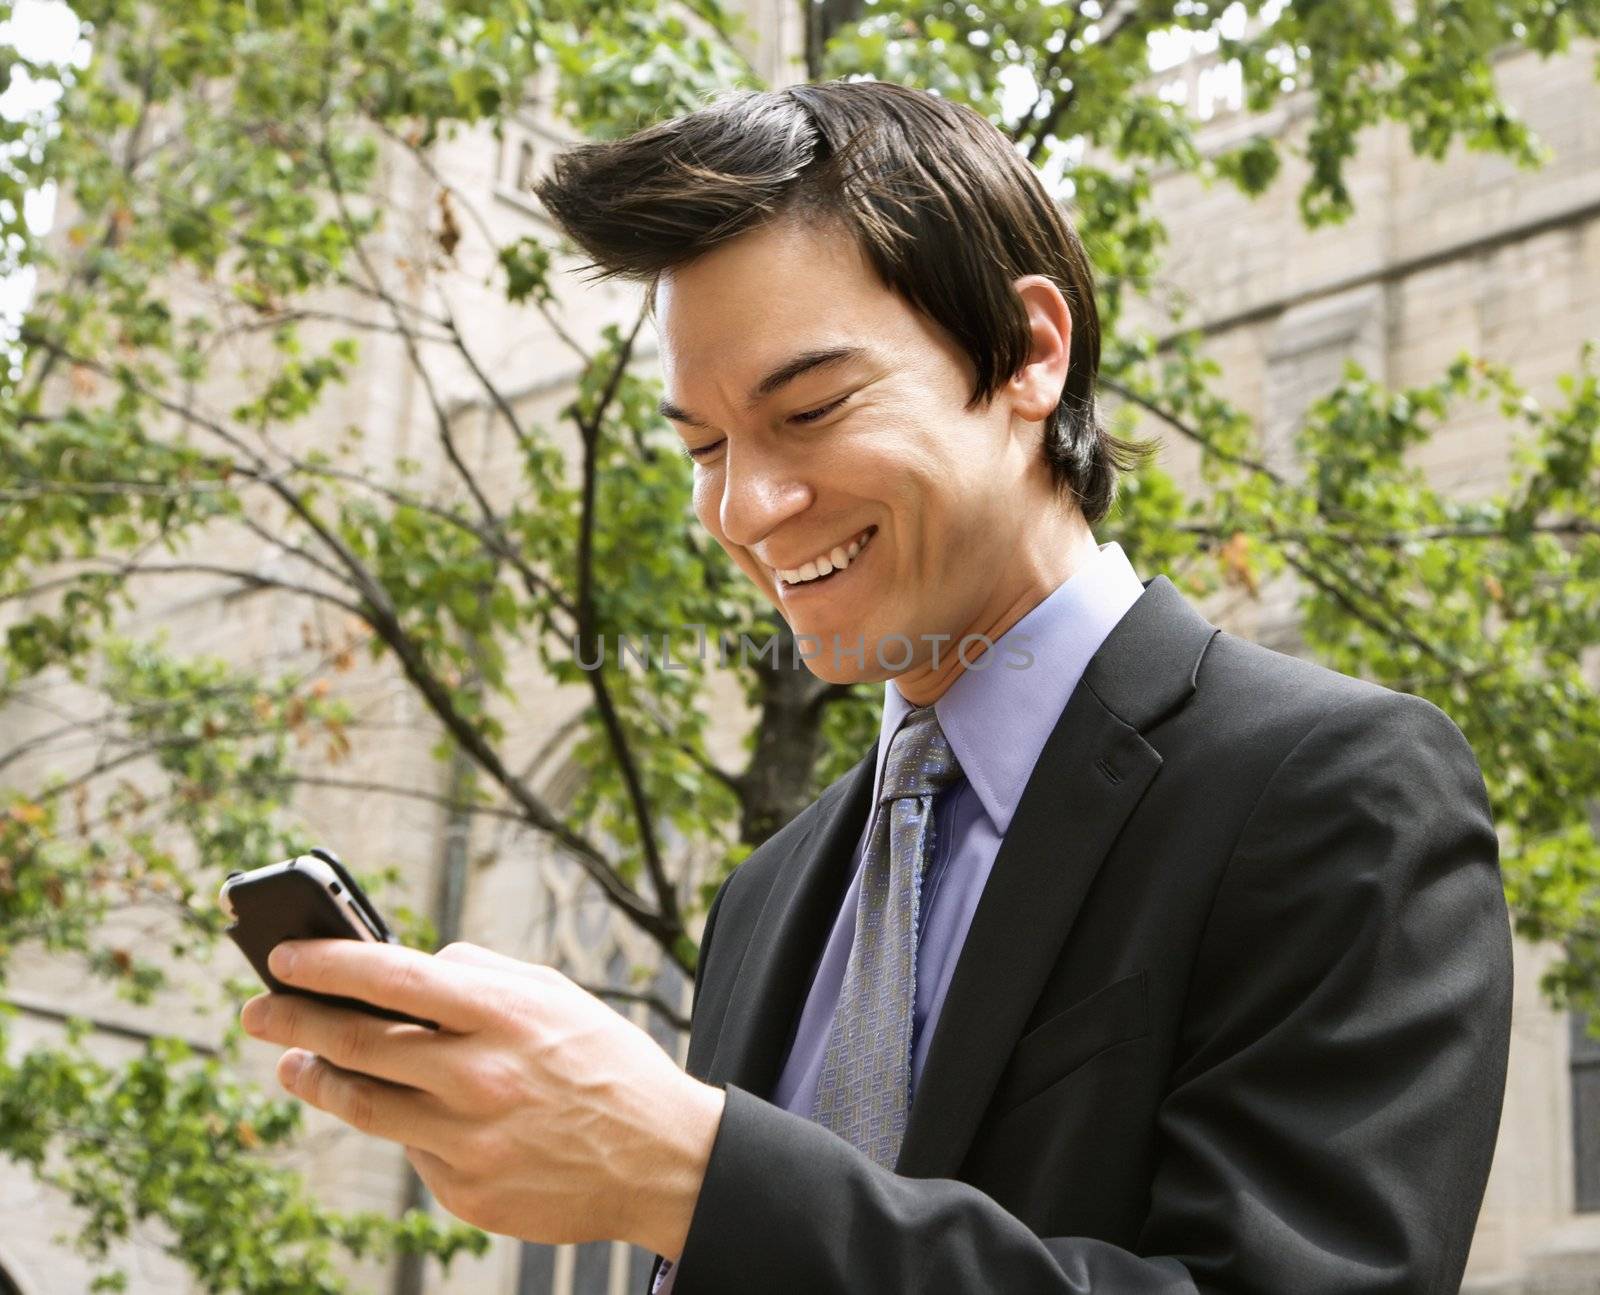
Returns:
(795,586)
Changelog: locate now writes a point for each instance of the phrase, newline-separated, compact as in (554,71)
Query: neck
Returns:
(1050,555)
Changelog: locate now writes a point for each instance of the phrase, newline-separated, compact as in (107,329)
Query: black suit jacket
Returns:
(1233,1013)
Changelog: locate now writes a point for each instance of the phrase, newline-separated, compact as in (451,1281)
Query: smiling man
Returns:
(852,482)
(1132,957)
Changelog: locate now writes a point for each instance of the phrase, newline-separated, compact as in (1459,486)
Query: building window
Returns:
(523,178)
(537,1274)
(586,1270)
(1585,1061)
(522,155)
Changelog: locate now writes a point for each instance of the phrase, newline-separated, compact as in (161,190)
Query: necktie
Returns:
(863,1091)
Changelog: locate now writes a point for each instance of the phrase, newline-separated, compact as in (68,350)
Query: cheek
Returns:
(701,495)
(703,499)
(957,482)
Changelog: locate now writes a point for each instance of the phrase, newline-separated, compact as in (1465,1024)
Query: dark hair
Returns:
(945,209)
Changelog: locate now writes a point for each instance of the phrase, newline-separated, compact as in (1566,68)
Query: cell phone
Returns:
(310,897)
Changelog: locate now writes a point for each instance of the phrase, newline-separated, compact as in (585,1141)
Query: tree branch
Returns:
(379,612)
(1569,527)
(1190,431)
(591,432)
(128,570)
(405,793)
(671,1015)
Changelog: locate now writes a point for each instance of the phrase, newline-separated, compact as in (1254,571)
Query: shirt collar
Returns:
(998,719)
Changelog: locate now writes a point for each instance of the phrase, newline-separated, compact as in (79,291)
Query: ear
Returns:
(1036,387)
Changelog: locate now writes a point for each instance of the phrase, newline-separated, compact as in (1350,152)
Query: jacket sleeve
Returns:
(1332,1111)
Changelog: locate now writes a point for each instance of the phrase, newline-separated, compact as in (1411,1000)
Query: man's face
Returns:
(877,444)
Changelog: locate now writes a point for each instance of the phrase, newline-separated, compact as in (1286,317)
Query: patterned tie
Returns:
(863,1092)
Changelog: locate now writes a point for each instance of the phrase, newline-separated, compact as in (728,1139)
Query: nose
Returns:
(761,489)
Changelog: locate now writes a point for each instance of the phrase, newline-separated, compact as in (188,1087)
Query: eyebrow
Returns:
(780,377)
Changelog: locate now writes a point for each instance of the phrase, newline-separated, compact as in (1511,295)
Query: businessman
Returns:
(1131,957)
(1163,963)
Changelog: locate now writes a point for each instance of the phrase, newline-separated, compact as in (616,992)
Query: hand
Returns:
(535,1110)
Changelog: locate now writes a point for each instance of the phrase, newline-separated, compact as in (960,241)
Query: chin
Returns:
(843,672)
(828,673)
(839,665)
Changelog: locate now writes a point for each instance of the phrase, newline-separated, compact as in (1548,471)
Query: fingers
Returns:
(352,1040)
(388,975)
(373,1106)
(475,955)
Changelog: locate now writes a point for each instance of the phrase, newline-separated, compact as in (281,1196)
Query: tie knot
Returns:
(920,761)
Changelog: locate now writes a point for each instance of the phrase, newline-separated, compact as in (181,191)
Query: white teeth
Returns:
(836,559)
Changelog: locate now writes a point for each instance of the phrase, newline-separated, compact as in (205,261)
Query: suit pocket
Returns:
(1071,1037)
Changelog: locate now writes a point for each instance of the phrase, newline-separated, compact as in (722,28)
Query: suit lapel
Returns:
(1088,778)
(1092,772)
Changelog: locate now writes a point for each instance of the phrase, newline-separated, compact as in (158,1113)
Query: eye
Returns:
(811,416)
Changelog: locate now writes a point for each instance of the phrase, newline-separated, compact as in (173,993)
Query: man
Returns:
(1131,958)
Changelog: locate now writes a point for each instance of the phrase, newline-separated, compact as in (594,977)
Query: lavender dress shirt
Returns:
(997,721)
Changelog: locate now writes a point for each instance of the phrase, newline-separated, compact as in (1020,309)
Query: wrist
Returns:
(668,1197)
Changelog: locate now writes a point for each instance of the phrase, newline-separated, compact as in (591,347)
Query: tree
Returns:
(232,171)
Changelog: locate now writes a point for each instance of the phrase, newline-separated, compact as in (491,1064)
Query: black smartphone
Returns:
(312,896)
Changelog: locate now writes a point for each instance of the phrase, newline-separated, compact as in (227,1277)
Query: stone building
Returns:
(1467,254)
(1471,253)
